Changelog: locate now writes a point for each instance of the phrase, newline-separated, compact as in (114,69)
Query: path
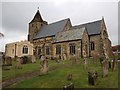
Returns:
(24,76)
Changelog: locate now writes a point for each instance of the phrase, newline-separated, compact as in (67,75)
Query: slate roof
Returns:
(51,29)
(92,27)
(72,34)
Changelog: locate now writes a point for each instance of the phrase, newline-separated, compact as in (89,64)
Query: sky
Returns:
(15,16)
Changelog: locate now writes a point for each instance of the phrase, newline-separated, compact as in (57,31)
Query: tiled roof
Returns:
(92,27)
(72,34)
(51,29)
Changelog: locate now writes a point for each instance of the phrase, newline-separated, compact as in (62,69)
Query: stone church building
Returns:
(61,38)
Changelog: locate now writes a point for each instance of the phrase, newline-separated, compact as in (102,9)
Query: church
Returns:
(61,38)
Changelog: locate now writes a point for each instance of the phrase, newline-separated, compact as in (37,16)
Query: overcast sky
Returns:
(17,15)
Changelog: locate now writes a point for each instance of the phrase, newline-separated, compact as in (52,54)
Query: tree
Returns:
(1,35)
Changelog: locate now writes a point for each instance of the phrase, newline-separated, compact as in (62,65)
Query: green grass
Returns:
(56,78)
(7,74)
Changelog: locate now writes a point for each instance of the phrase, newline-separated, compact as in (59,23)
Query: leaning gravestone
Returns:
(8,60)
(104,68)
(70,85)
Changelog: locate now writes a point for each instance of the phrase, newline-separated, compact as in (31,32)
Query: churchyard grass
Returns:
(57,77)
(26,68)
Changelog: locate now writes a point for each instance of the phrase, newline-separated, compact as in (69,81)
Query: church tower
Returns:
(35,25)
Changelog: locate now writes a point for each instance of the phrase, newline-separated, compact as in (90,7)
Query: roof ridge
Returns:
(88,23)
(59,21)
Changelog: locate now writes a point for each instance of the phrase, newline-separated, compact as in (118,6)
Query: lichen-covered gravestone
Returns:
(8,60)
(18,64)
(92,77)
(44,65)
(104,68)
(33,59)
(114,64)
(74,59)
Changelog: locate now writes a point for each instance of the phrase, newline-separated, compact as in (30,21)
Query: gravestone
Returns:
(18,64)
(69,87)
(74,59)
(85,63)
(33,59)
(104,68)
(64,56)
(44,65)
(109,64)
(8,60)
(114,64)
(69,77)
(92,78)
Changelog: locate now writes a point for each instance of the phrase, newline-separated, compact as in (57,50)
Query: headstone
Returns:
(69,77)
(114,64)
(74,59)
(44,65)
(33,59)
(64,56)
(104,68)
(109,64)
(92,77)
(85,63)
(69,87)
(8,60)
(18,64)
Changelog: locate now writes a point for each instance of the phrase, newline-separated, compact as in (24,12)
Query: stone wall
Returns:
(97,42)
(65,48)
(16,49)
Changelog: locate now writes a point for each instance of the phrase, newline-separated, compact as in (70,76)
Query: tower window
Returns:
(32,25)
(92,46)
(72,48)
(58,49)
(25,49)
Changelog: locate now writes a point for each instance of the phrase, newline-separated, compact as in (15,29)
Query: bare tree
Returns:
(1,35)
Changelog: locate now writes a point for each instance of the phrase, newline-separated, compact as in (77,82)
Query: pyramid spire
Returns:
(37,17)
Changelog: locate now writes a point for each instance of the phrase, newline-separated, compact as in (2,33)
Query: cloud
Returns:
(17,15)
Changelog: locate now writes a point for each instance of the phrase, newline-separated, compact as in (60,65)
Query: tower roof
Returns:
(37,17)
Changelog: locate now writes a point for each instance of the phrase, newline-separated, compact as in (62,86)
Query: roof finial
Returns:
(38,8)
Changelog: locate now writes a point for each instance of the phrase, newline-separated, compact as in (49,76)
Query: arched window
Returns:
(92,46)
(25,49)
